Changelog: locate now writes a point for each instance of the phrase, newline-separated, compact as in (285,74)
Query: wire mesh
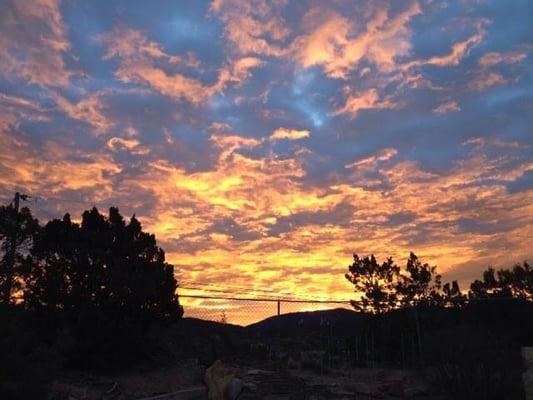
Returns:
(248,311)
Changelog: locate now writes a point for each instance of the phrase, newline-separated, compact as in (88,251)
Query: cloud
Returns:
(333,42)
(131,145)
(198,123)
(140,59)
(289,134)
(52,170)
(90,110)
(485,77)
(229,143)
(383,155)
(486,80)
(366,100)
(495,58)
(16,109)
(446,108)
(458,51)
(33,41)
(253,27)
(131,43)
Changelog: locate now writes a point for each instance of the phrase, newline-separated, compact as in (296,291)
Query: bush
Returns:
(470,362)
(27,361)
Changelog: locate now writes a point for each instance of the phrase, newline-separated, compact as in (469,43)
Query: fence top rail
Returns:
(271,300)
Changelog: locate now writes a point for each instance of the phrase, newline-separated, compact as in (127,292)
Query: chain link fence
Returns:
(245,311)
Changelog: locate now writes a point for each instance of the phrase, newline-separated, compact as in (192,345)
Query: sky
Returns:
(265,142)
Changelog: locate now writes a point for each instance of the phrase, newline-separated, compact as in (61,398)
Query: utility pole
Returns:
(10,257)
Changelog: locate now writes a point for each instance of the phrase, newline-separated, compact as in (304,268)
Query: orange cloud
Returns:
(366,100)
(255,221)
(252,27)
(459,50)
(33,41)
(138,57)
(318,251)
(90,110)
(383,155)
(332,41)
(131,145)
(50,171)
(456,54)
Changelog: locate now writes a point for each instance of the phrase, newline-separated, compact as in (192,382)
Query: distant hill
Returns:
(195,326)
(340,321)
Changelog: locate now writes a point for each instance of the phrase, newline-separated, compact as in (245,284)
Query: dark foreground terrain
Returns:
(335,354)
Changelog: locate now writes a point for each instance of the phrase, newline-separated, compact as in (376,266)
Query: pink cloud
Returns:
(364,100)
(138,57)
(446,108)
(494,58)
(333,41)
(33,42)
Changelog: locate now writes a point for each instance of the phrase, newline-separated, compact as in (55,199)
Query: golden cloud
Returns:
(289,134)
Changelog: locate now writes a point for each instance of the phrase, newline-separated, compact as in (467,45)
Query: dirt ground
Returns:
(266,382)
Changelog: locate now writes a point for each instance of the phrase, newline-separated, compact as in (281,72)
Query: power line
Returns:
(283,300)
(214,290)
(244,291)
(236,289)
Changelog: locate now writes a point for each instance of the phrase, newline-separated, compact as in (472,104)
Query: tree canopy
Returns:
(385,286)
(17,230)
(516,282)
(421,284)
(103,263)
(377,282)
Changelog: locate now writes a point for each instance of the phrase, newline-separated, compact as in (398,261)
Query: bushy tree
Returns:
(516,282)
(17,230)
(420,284)
(386,286)
(376,282)
(102,264)
(452,295)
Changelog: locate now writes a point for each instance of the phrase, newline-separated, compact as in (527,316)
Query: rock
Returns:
(221,382)
(233,389)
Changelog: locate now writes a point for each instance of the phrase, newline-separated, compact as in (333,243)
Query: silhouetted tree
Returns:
(102,264)
(376,283)
(516,282)
(386,286)
(420,284)
(452,295)
(17,230)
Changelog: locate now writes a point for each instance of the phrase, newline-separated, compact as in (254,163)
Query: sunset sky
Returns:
(264,142)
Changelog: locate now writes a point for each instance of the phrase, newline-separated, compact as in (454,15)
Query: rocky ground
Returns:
(221,361)
(190,380)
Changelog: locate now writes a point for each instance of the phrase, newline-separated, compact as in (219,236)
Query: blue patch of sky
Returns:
(522,183)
